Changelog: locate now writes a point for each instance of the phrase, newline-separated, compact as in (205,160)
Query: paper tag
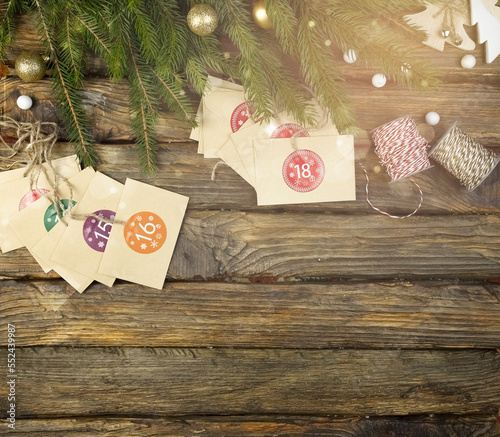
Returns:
(83,242)
(144,234)
(17,195)
(224,112)
(31,224)
(320,170)
(285,128)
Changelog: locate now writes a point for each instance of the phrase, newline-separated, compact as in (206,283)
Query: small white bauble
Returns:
(468,61)
(350,56)
(379,80)
(24,102)
(432,118)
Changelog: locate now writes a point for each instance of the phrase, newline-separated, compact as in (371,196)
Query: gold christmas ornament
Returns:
(30,67)
(260,15)
(202,19)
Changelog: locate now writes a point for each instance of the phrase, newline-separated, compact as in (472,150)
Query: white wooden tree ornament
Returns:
(434,19)
(486,15)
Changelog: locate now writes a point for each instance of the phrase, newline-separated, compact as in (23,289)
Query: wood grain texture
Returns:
(68,382)
(385,315)
(242,246)
(418,426)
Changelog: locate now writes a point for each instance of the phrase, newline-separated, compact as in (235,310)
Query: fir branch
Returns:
(71,110)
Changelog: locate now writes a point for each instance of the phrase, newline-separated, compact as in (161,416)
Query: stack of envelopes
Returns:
(104,229)
(283,161)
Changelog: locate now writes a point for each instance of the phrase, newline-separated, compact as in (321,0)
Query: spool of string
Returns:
(464,157)
(403,152)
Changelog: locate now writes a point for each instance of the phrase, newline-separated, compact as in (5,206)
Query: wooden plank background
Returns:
(318,319)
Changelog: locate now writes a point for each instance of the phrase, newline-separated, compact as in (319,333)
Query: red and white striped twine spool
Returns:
(400,148)
(403,152)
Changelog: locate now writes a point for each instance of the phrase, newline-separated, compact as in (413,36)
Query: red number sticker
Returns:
(303,171)
(287,130)
(145,232)
(240,115)
(31,196)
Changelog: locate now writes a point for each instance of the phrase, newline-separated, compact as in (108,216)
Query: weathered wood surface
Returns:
(241,245)
(416,426)
(71,381)
(274,320)
(382,315)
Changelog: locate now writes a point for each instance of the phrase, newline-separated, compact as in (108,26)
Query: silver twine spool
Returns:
(464,157)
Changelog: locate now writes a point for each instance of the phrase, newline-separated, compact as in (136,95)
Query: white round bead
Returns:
(379,80)
(432,118)
(24,102)
(350,56)
(468,61)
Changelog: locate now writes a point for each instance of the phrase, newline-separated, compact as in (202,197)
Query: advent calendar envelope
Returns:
(224,112)
(17,195)
(44,250)
(320,169)
(34,221)
(231,157)
(11,175)
(214,84)
(284,128)
(83,243)
(144,235)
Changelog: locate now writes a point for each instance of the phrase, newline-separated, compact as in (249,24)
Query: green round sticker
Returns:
(50,219)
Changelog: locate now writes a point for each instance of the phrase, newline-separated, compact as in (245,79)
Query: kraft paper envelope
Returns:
(283,127)
(224,112)
(11,175)
(44,250)
(214,84)
(231,157)
(83,243)
(317,169)
(144,235)
(34,221)
(16,195)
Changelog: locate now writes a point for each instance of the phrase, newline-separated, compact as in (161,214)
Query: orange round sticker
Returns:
(145,232)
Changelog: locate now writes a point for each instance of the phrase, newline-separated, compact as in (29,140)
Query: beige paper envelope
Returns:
(214,84)
(16,195)
(283,127)
(44,250)
(321,169)
(231,157)
(33,222)
(224,112)
(11,175)
(144,235)
(83,243)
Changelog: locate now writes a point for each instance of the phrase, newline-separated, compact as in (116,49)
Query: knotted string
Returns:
(450,9)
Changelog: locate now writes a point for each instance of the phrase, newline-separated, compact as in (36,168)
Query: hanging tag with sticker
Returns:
(305,170)
(33,222)
(17,195)
(144,235)
(84,240)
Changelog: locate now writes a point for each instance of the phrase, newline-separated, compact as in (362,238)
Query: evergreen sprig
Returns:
(148,43)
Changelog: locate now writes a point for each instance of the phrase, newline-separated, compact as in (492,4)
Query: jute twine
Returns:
(33,148)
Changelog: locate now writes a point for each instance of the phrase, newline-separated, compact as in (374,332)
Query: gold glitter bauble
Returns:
(260,15)
(202,19)
(30,67)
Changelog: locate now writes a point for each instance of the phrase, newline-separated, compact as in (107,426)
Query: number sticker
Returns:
(31,196)
(50,219)
(145,232)
(96,232)
(303,171)
(287,130)
(240,115)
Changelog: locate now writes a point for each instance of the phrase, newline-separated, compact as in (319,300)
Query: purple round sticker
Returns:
(96,232)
